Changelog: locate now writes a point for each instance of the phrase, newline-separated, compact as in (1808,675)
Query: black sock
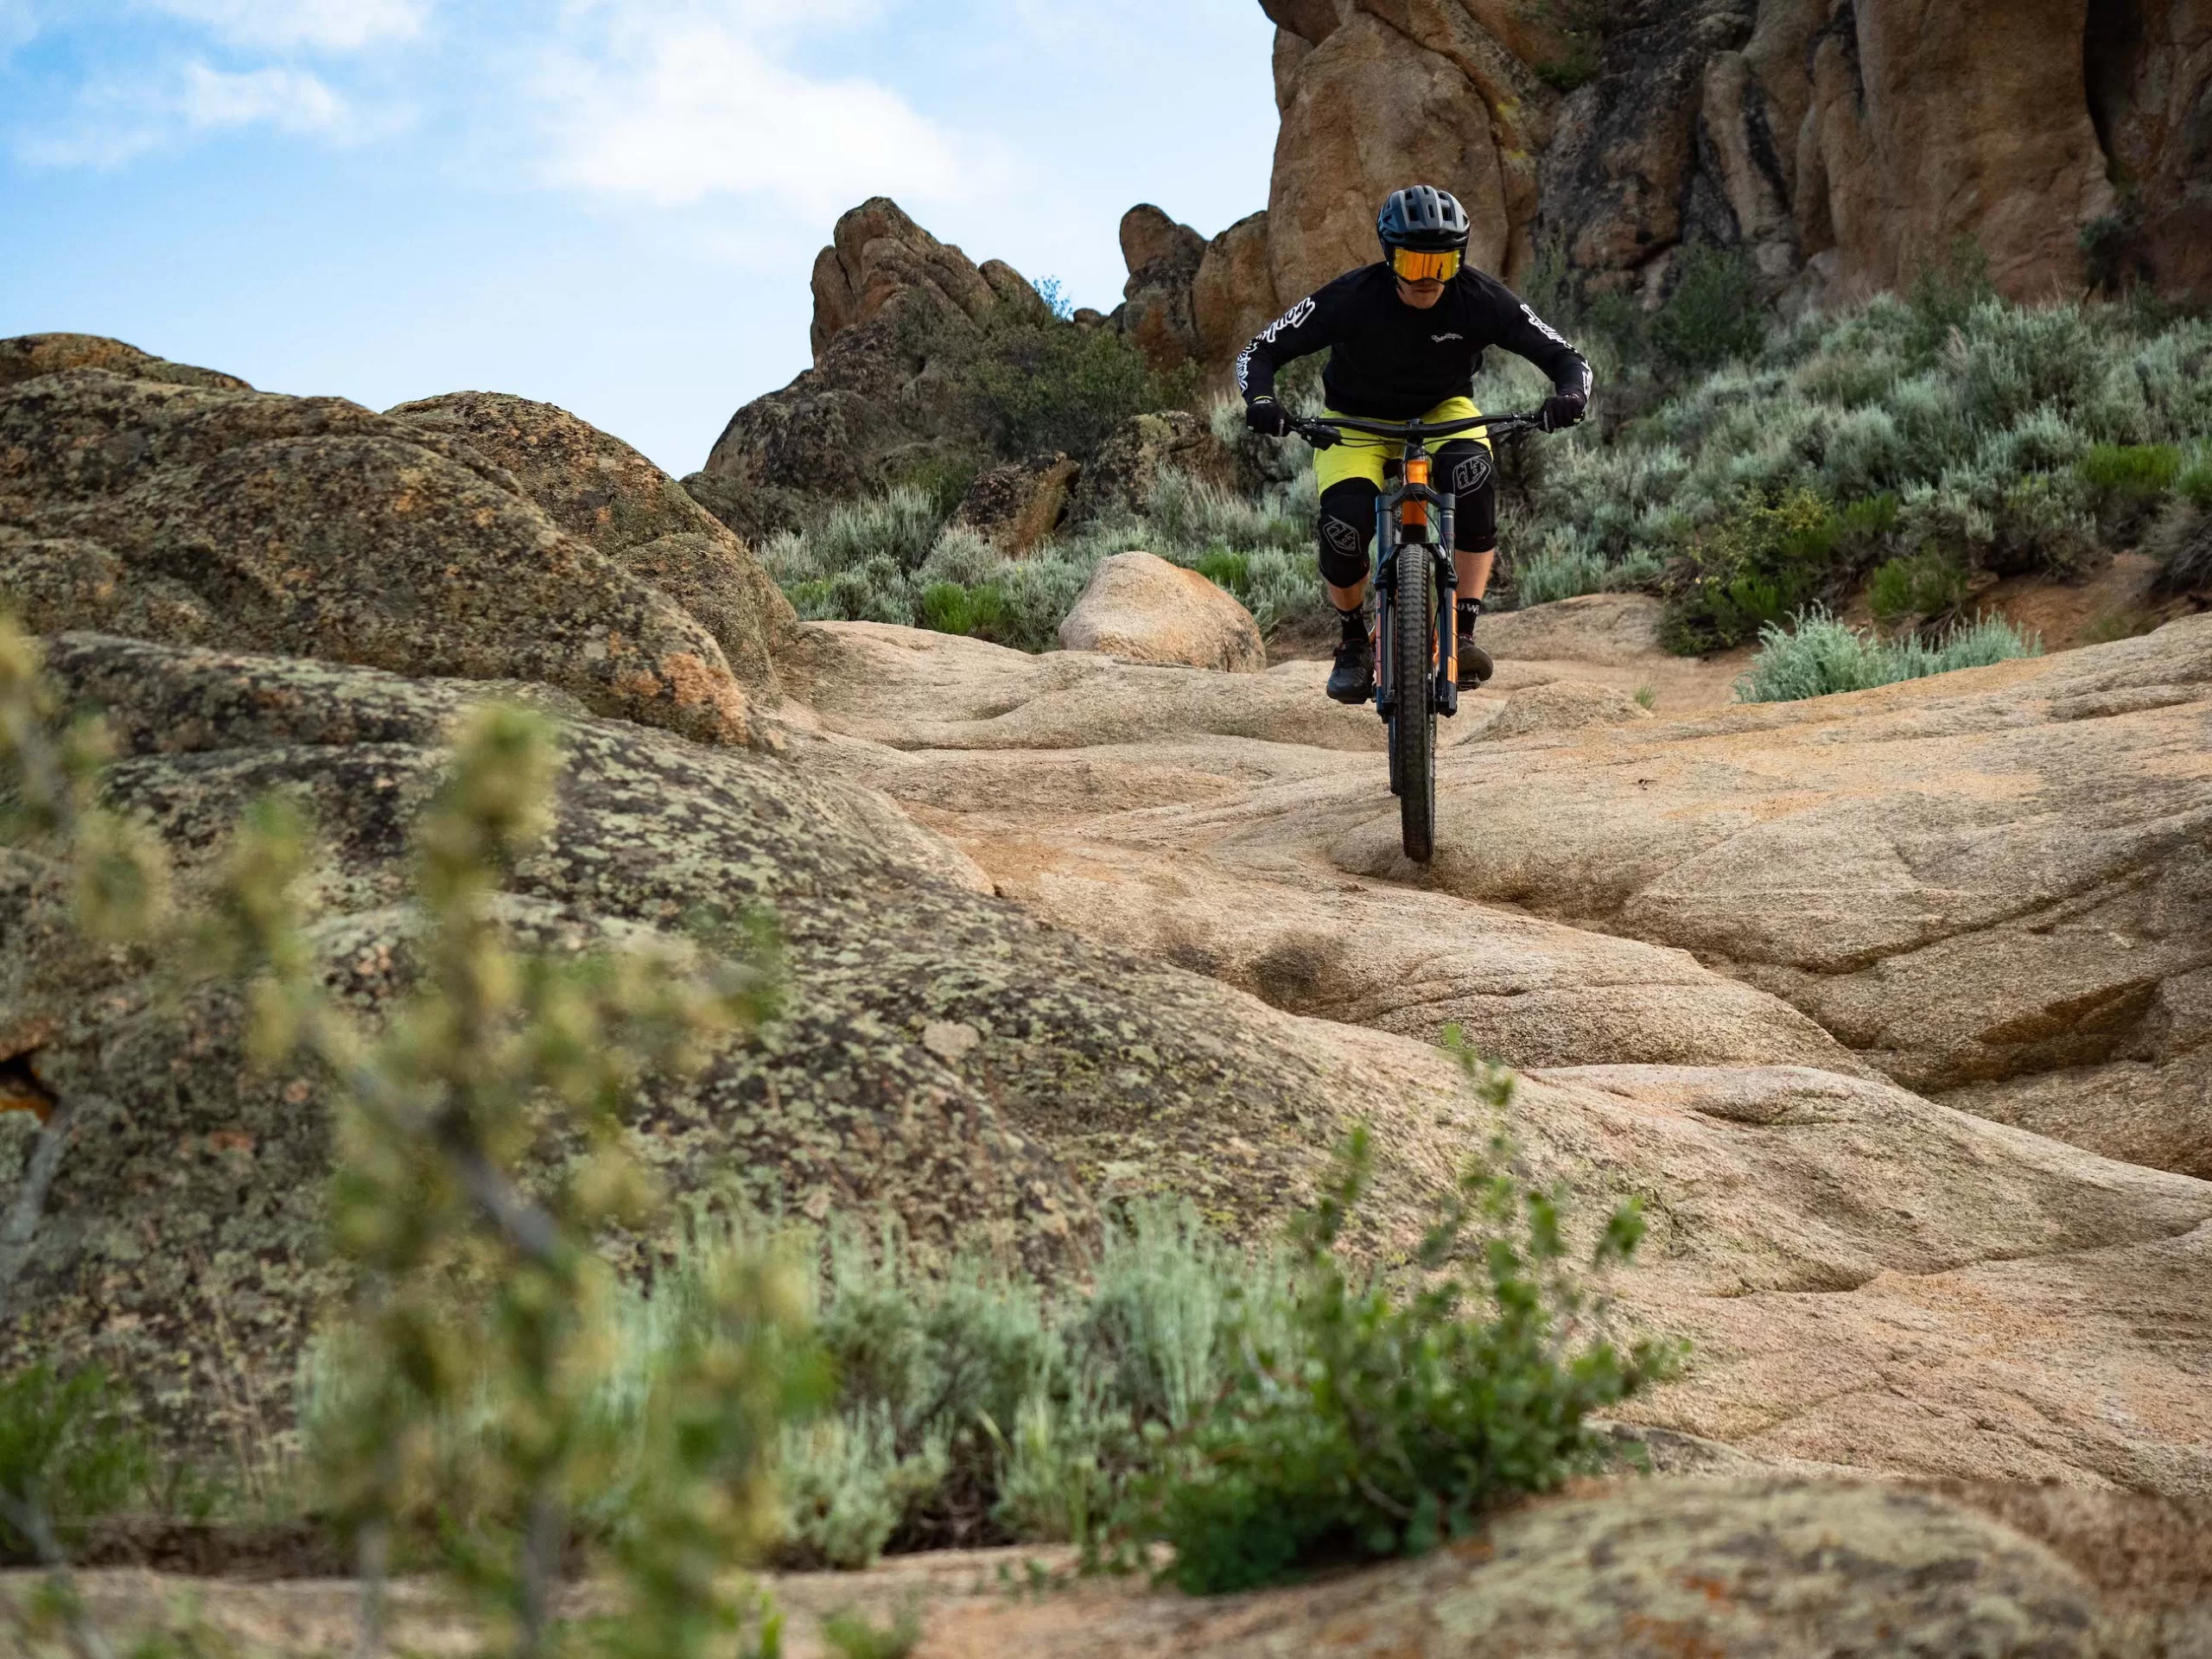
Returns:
(1355,622)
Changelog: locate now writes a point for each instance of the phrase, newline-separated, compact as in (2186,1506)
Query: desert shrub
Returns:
(951,607)
(2194,484)
(68,1455)
(1977,416)
(1045,386)
(1762,563)
(902,525)
(1819,656)
(1928,583)
(1382,1419)
(2127,481)
(1713,313)
(2182,543)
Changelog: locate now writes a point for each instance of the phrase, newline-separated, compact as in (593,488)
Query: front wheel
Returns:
(1413,724)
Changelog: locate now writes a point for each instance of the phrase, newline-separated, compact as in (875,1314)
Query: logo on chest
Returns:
(1440,338)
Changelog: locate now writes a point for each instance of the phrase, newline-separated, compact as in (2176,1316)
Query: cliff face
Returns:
(1846,145)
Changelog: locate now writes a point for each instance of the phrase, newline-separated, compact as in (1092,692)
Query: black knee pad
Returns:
(1347,531)
(1465,467)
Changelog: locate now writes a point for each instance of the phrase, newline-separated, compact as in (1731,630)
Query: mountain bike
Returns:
(1417,624)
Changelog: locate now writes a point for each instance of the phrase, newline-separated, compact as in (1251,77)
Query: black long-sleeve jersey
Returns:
(1395,363)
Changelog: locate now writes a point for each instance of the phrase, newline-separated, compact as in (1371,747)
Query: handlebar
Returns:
(1325,434)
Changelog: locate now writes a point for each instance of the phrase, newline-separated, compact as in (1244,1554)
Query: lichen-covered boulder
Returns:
(599,490)
(1142,609)
(208,514)
(944,1058)
(28,356)
(1017,504)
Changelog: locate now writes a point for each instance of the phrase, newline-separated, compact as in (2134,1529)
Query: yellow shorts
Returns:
(1358,456)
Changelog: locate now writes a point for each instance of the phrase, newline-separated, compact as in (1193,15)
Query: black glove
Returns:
(1561,411)
(1265,416)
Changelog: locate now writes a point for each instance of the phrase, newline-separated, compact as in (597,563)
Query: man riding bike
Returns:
(1409,333)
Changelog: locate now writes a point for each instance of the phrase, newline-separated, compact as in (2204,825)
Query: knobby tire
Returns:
(1412,727)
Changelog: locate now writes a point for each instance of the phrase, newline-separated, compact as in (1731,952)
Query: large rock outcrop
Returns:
(178,505)
(599,490)
(894,308)
(1844,145)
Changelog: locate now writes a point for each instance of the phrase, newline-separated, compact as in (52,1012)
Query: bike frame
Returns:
(1415,513)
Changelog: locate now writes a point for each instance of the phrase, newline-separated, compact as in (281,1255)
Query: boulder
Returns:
(1016,506)
(1163,258)
(29,356)
(1119,480)
(1619,628)
(1139,607)
(599,490)
(210,515)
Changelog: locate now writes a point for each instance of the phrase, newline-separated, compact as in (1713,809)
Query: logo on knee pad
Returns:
(1342,537)
(1471,474)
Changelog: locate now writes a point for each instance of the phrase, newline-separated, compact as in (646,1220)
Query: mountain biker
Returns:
(1409,332)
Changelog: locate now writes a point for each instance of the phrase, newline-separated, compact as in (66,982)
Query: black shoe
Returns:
(1352,679)
(1475,664)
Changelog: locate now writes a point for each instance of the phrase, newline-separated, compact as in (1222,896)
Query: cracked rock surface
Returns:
(1872,1277)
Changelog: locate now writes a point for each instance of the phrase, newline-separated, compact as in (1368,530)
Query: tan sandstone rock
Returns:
(1870,1279)
(1742,1565)
(1562,706)
(1370,112)
(1937,121)
(1139,607)
(1978,881)
(1611,628)
(1233,296)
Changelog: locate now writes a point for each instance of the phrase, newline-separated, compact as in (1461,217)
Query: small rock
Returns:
(1141,608)
(1564,706)
(950,1040)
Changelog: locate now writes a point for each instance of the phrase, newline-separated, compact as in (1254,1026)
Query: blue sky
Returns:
(611,204)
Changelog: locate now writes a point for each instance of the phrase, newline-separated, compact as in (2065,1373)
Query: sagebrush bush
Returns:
(1381,1419)
(2011,439)
(1819,656)
(1044,386)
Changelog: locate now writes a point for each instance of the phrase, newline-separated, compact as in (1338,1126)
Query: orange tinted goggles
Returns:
(1414,266)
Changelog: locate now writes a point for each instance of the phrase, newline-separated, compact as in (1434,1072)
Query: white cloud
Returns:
(319,25)
(672,105)
(115,123)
